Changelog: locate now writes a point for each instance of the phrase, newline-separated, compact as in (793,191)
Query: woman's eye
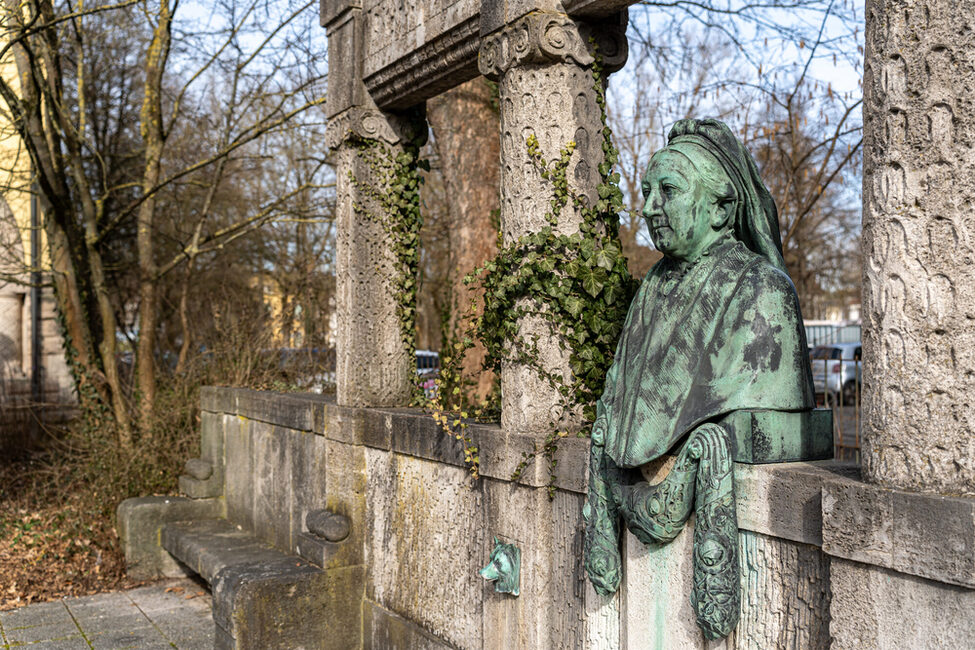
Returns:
(668,190)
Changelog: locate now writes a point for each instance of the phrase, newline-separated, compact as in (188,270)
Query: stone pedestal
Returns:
(918,248)
(543,65)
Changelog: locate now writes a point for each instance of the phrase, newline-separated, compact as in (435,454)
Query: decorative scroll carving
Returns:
(552,38)
(373,124)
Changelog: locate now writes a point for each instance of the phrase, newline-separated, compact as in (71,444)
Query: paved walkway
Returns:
(157,616)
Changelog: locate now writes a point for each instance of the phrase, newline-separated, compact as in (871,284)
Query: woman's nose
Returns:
(652,205)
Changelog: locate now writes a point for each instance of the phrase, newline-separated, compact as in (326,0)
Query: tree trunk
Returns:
(154,137)
(467,132)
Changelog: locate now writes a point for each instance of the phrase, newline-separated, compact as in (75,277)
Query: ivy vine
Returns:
(393,193)
(578,284)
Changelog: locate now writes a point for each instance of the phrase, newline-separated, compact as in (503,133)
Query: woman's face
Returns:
(679,209)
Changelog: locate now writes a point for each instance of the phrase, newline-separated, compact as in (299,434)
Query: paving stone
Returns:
(146,618)
(44,632)
(119,637)
(32,615)
(72,643)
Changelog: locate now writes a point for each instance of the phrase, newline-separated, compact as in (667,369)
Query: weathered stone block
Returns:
(874,608)
(218,399)
(272,483)
(139,522)
(308,479)
(919,534)
(208,546)
(240,481)
(279,409)
(382,630)
(197,489)
(289,606)
(346,494)
(414,433)
(549,533)
(934,537)
(422,518)
(762,508)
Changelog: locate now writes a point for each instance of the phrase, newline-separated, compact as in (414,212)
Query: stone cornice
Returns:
(427,71)
(366,123)
(552,38)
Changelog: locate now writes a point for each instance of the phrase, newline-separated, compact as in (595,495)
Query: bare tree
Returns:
(102,183)
(756,66)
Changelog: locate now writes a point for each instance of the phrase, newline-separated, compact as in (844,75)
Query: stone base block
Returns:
(874,608)
(139,523)
(259,607)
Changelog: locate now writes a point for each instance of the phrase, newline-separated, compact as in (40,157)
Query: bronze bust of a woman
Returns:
(714,329)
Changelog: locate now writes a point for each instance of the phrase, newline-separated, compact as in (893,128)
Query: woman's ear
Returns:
(722,212)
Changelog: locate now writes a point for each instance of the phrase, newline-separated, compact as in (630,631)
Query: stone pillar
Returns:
(543,65)
(919,246)
(373,364)
(373,361)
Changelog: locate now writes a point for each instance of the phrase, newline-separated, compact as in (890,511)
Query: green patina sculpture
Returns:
(504,568)
(712,365)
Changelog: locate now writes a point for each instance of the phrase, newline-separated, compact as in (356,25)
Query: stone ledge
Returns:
(924,535)
(821,503)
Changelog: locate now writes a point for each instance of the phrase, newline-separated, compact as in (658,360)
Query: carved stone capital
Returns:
(553,38)
(372,124)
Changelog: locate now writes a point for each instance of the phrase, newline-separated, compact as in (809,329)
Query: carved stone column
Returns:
(543,65)
(373,360)
(919,246)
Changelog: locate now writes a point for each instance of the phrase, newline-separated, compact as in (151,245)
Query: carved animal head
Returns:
(504,568)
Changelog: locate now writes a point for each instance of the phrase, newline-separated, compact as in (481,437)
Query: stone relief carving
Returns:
(918,249)
(551,38)
(372,124)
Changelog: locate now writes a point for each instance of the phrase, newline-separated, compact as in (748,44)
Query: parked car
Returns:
(836,371)
(427,371)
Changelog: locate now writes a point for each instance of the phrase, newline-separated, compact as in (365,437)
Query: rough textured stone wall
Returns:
(785,596)
(876,608)
(919,245)
(825,557)
(424,545)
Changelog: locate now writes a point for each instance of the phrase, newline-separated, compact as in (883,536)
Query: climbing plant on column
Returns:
(578,283)
(392,199)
